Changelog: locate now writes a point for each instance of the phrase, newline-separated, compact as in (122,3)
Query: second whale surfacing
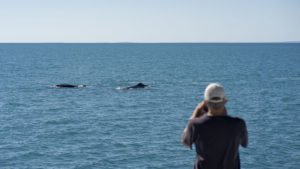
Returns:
(137,86)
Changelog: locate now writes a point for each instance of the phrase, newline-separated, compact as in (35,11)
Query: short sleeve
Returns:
(244,134)
(188,135)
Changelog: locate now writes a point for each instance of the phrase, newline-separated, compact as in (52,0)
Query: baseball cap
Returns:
(214,92)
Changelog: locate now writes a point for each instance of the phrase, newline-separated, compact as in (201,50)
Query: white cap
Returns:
(214,92)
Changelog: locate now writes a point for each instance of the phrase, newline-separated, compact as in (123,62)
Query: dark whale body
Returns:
(137,86)
(65,85)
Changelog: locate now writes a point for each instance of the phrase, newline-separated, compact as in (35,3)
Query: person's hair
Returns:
(215,106)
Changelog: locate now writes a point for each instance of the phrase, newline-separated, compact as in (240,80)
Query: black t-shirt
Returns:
(217,140)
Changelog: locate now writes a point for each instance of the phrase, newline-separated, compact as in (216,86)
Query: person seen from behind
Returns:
(216,135)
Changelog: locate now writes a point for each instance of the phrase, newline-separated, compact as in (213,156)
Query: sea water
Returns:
(103,127)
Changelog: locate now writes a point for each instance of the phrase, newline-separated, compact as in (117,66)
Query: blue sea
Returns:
(103,127)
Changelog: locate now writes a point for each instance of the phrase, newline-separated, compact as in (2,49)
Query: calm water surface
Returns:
(102,127)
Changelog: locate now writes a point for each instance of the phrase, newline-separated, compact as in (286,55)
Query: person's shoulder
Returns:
(234,118)
(237,120)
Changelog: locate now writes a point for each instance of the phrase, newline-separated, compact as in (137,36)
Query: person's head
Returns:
(214,97)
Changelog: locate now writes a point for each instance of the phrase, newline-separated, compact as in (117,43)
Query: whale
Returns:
(137,86)
(66,85)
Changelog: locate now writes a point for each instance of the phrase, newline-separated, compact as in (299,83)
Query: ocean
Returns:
(103,127)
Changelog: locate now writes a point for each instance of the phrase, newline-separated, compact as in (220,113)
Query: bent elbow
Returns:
(186,143)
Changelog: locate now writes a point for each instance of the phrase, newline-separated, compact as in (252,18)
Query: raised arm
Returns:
(187,138)
(200,110)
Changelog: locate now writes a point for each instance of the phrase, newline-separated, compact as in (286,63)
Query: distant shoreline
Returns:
(287,42)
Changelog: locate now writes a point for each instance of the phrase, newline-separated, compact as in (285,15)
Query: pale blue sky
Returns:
(149,20)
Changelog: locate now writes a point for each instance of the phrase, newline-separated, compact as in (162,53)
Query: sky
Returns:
(149,21)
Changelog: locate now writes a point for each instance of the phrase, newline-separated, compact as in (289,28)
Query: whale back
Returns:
(66,85)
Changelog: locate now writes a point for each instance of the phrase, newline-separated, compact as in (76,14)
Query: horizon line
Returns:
(148,42)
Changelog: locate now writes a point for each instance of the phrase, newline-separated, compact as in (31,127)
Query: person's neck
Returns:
(218,112)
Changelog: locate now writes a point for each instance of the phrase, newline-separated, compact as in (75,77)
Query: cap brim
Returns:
(217,101)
